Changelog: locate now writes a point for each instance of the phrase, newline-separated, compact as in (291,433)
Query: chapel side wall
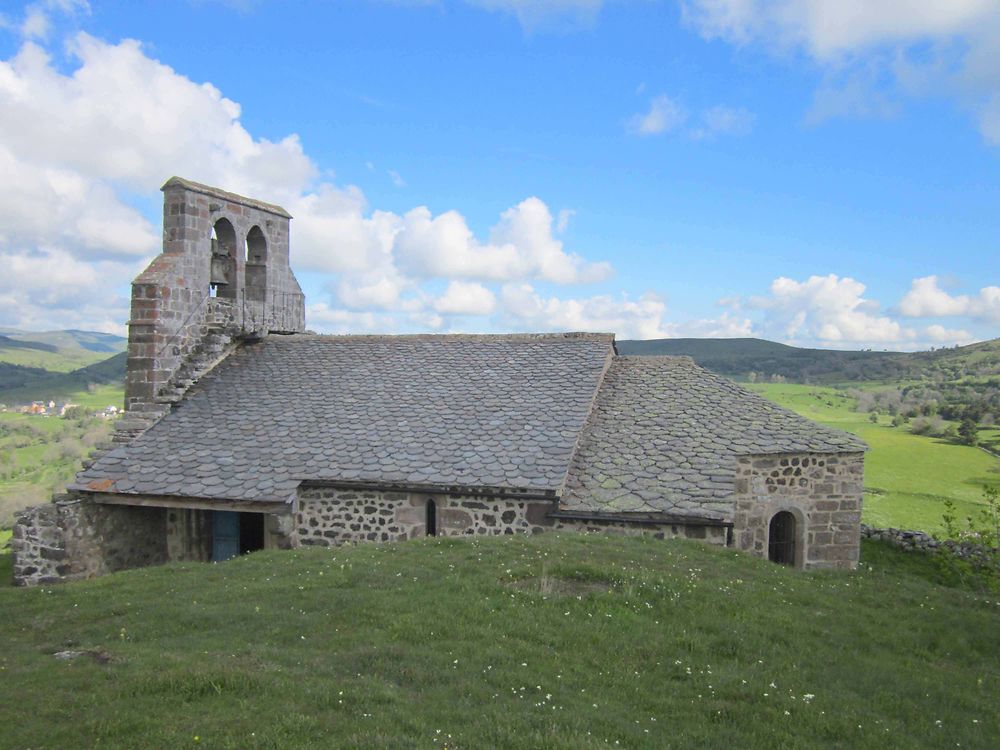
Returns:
(328,516)
(189,535)
(717,535)
(78,538)
(822,490)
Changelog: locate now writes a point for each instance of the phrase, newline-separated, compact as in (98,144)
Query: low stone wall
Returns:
(918,541)
(329,516)
(711,534)
(38,546)
(821,490)
(76,538)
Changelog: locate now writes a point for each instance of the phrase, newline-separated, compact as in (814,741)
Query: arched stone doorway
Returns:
(781,538)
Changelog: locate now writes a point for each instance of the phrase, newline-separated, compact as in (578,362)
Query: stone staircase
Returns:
(210,351)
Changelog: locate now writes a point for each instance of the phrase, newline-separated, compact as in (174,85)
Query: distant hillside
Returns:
(93,341)
(6,342)
(738,358)
(26,384)
(16,376)
(57,351)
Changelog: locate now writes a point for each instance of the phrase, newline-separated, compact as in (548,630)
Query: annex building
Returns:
(242,431)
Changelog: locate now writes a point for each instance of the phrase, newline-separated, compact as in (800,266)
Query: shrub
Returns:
(970,549)
(968,432)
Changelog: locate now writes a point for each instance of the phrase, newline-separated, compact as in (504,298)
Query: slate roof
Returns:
(486,411)
(664,435)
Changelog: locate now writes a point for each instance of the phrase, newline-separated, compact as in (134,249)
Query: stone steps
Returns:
(213,349)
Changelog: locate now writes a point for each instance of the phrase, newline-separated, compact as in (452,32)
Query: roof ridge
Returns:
(566,336)
(679,359)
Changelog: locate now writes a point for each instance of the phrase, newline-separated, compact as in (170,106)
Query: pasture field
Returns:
(907,477)
(63,360)
(38,455)
(552,641)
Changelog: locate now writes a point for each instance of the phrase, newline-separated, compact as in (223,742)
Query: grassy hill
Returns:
(737,358)
(57,351)
(553,641)
(20,385)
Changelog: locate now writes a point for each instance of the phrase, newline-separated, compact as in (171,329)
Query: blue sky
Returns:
(824,174)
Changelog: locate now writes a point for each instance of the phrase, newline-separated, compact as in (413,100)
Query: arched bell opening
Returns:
(255,268)
(222,276)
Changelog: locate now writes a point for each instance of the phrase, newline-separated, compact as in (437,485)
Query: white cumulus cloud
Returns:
(466,298)
(527,310)
(939,333)
(521,246)
(828,309)
(926,299)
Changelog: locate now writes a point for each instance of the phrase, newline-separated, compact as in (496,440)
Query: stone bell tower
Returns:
(223,276)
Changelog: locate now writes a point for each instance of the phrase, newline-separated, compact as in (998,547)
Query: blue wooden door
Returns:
(225,535)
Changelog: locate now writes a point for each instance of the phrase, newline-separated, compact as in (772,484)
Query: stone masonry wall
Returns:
(77,538)
(919,541)
(189,533)
(823,493)
(710,534)
(329,516)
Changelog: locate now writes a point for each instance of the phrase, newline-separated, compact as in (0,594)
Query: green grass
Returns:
(453,643)
(99,396)
(907,477)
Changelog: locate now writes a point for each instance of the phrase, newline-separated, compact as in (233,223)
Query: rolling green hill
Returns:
(24,385)
(95,341)
(737,358)
(554,641)
(57,351)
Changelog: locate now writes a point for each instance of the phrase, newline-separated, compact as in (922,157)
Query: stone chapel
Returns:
(243,431)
